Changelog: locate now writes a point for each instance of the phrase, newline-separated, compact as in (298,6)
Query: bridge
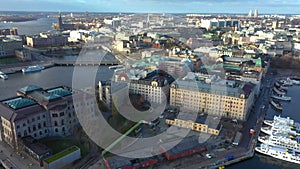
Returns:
(85,63)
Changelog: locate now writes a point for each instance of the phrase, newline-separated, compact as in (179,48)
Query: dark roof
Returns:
(188,143)
(35,146)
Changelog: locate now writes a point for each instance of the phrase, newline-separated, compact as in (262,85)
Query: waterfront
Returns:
(31,27)
(261,161)
(47,78)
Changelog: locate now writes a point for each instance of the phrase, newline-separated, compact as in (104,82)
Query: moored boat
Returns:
(276,104)
(33,69)
(3,76)
(285,154)
(283,98)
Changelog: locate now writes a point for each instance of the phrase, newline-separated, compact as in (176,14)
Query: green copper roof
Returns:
(29,88)
(59,91)
(19,102)
(258,62)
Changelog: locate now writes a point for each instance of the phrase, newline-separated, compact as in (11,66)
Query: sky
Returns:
(155,6)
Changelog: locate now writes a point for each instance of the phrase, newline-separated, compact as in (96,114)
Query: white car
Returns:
(208,156)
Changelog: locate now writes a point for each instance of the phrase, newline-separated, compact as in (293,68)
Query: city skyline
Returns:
(155,6)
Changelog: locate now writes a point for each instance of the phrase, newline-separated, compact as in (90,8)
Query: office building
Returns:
(154,87)
(231,99)
(219,23)
(38,113)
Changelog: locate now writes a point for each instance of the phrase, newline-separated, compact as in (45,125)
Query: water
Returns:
(31,27)
(47,78)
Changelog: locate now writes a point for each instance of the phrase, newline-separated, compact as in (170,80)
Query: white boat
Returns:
(286,82)
(267,130)
(279,92)
(281,120)
(284,98)
(282,140)
(295,82)
(116,67)
(33,69)
(276,104)
(3,76)
(279,153)
(281,125)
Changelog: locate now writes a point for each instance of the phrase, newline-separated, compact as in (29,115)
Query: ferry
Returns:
(282,140)
(281,128)
(276,104)
(283,98)
(33,69)
(277,120)
(285,154)
(3,76)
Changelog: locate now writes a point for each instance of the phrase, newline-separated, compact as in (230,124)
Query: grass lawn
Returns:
(58,145)
(61,154)
(8,60)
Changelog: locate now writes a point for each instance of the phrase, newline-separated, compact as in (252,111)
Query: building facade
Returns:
(9,45)
(48,41)
(154,87)
(38,113)
(231,99)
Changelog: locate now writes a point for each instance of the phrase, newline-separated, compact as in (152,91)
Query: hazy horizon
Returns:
(155,6)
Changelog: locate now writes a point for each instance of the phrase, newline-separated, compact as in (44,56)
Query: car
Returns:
(208,156)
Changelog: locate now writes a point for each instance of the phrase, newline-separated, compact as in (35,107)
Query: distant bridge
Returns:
(85,63)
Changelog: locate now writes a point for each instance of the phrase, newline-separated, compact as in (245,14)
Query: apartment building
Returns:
(154,87)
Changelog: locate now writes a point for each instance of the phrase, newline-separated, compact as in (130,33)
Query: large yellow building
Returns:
(231,99)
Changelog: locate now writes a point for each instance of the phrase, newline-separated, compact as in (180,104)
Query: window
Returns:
(55,123)
(33,119)
(39,126)
(41,133)
(44,116)
(44,124)
(38,118)
(62,122)
(56,130)
(34,134)
(18,126)
(34,127)
(61,114)
(24,124)
(54,115)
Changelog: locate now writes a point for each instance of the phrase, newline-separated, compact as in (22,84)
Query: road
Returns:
(20,161)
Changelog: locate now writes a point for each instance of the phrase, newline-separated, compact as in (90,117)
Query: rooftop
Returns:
(185,145)
(228,88)
(61,154)
(19,102)
(59,91)
(29,88)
